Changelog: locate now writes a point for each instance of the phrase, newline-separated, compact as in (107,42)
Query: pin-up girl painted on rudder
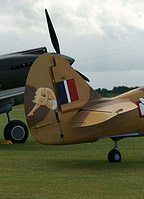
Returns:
(44,96)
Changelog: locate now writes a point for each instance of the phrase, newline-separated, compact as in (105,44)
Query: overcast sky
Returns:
(106,37)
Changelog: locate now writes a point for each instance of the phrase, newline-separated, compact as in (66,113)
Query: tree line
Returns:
(117,90)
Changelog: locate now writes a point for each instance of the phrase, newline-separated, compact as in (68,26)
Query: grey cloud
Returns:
(86,29)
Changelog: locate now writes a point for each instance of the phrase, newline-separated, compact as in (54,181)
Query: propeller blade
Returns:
(83,76)
(52,33)
(55,43)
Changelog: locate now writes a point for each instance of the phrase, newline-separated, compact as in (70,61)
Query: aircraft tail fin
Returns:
(54,93)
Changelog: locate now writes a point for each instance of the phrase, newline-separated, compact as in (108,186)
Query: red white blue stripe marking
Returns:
(141,106)
(67,91)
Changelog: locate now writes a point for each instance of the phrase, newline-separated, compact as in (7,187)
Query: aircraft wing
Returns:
(102,112)
(10,98)
(6,94)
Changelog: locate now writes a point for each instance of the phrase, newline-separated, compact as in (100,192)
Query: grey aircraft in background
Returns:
(14,69)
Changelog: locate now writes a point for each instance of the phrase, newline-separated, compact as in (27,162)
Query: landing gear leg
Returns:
(16,131)
(114,155)
(9,117)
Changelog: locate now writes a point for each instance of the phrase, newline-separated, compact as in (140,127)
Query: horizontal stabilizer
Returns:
(102,112)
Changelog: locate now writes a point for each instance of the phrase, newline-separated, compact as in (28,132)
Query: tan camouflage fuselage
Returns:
(83,120)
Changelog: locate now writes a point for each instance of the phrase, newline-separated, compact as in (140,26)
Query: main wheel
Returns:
(16,131)
(114,156)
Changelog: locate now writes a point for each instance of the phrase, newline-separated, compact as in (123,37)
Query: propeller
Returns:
(55,43)
(52,33)
(83,76)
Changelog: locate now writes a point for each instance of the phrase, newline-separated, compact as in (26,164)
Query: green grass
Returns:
(80,171)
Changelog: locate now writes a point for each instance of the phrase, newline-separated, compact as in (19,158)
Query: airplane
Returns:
(14,68)
(61,108)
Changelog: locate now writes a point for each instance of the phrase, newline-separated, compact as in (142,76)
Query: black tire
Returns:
(16,131)
(114,156)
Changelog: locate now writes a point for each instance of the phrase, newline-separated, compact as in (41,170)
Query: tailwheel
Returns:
(114,156)
(16,131)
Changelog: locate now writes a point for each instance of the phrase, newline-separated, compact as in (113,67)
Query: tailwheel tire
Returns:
(114,156)
(16,131)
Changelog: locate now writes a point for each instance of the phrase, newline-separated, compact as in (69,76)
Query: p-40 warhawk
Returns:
(61,108)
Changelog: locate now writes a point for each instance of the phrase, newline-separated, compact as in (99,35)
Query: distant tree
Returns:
(117,90)
(122,89)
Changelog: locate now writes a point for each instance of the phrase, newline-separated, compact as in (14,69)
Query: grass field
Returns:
(80,171)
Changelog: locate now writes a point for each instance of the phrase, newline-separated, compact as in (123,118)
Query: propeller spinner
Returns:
(55,43)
